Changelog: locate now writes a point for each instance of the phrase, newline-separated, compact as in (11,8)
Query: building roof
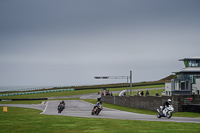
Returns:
(190,58)
(189,69)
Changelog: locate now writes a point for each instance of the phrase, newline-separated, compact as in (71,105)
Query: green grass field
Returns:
(25,120)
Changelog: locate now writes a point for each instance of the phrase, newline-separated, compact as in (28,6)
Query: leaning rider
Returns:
(63,103)
(59,105)
(98,103)
(167,103)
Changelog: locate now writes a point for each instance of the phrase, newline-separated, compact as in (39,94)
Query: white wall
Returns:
(168,87)
(196,87)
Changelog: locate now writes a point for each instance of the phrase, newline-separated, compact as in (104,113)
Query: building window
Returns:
(191,77)
(187,85)
(198,62)
(180,76)
(192,63)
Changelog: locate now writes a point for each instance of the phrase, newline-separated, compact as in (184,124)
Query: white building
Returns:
(188,78)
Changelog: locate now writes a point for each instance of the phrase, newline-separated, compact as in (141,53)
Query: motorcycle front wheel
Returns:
(98,111)
(158,115)
(92,112)
(169,115)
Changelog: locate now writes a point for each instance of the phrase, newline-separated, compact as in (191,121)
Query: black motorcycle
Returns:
(97,110)
(61,108)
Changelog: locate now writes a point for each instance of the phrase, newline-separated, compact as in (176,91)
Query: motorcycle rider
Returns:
(166,103)
(98,103)
(62,104)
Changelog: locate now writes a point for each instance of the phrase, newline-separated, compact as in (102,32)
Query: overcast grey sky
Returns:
(68,42)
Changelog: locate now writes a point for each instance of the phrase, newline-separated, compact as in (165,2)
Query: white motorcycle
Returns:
(167,112)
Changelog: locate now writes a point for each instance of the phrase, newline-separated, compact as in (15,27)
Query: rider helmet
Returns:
(169,100)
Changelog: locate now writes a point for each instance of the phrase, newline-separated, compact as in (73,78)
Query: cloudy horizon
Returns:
(53,43)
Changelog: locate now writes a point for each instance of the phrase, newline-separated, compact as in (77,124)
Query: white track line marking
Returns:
(45,107)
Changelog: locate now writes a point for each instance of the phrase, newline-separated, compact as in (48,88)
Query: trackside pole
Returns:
(131,83)
(127,85)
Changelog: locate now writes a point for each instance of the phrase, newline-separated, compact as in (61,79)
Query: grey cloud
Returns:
(69,42)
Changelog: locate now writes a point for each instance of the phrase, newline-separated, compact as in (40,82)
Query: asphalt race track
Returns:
(79,108)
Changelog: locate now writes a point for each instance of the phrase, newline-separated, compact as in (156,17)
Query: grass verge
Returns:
(29,120)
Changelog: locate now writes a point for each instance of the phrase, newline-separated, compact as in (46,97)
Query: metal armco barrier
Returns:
(36,92)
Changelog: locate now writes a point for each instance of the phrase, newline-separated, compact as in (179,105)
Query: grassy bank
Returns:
(29,120)
(76,92)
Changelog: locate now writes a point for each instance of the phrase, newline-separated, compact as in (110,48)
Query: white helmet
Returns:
(169,100)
